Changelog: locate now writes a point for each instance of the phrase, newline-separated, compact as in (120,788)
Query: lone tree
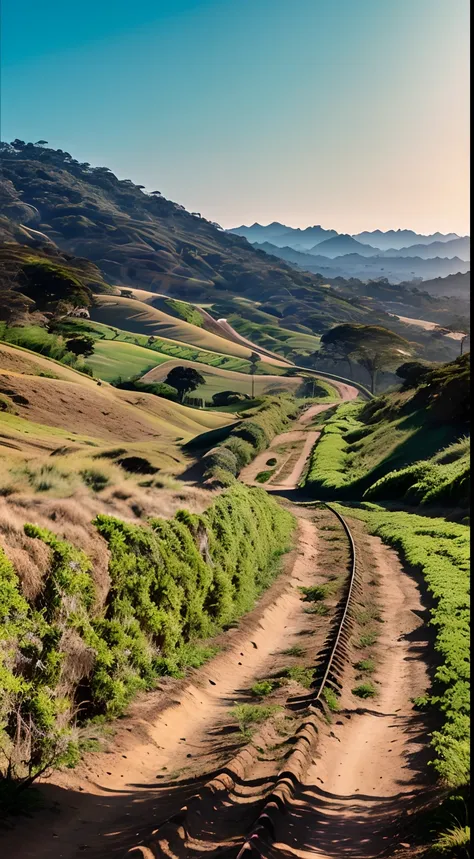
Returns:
(184,379)
(374,348)
(83,345)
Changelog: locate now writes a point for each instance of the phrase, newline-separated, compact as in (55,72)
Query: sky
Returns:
(352,114)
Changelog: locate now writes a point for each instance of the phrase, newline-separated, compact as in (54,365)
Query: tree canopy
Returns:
(184,379)
(371,346)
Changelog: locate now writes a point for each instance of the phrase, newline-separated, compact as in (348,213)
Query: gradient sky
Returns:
(352,114)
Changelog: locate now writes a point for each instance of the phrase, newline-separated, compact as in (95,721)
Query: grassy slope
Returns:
(134,316)
(68,410)
(168,348)
(402,446)
(276,338)
(112,359)
(217,379)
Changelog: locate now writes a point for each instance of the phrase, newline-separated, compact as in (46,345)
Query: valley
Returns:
(234,535)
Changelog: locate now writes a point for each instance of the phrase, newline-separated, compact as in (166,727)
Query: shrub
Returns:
(242,450)
(159,389)
(228,398)
(365,690)
(95,479)
(262,688)
(248,715)
(298,673)
(455,842)
(252,433)
(272,461)
(294,651)
(263,476)
(331,699)
(220,457)
(365,665)
(64,655)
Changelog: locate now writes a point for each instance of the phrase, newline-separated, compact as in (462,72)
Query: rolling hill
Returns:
(217,380)
(52,204)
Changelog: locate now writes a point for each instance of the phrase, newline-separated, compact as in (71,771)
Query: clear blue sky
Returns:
(348,113)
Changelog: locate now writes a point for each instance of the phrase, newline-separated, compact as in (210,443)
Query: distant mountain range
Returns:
(397,269)
(397,254)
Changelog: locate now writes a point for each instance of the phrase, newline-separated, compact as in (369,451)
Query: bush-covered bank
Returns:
(173,582)
(409,446)
(439,551)
(37,339)
(253,434)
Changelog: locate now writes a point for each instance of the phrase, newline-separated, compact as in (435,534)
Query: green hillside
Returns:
(144,241)
(407,446)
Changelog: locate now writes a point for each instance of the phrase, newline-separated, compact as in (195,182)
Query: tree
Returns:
(83,345)
(47,282)
(254,360)
(414,373)
(184,379)
(227,398)
(374,348)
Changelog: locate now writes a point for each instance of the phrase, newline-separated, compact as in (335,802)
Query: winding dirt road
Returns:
(299,443)
(368,765)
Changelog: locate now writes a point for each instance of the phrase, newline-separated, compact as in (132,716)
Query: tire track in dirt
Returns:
(370,767)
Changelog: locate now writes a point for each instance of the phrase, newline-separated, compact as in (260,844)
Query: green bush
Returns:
(365,690)
(242,450)
(220,457)
(263,476)
(173,582)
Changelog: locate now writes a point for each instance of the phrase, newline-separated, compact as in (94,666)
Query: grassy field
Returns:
(274,337)
(112,359)
(134,316)
(217,379)
(168,348)
(49,409)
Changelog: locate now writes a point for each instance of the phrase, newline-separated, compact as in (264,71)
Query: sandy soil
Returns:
(429,326)
(370,765)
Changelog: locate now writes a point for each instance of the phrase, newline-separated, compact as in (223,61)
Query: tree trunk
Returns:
(373,377)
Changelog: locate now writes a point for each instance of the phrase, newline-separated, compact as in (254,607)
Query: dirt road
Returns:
(368,764)
(292,449)
(371,764)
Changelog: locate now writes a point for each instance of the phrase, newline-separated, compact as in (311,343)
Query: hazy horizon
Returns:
(258,111)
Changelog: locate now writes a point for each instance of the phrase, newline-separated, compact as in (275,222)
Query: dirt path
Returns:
(299,441)
(181,730)
(372,761)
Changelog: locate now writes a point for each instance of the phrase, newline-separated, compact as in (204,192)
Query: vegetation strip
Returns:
(439,550)
(172,583)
